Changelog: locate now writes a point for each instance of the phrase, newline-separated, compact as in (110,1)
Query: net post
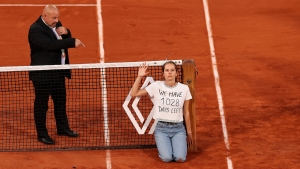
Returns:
(189,78)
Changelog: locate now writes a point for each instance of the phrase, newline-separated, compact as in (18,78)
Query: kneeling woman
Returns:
(171,104)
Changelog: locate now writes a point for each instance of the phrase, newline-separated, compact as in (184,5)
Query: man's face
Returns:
(51,18)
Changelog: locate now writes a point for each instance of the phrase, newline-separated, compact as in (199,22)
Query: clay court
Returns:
(251,122)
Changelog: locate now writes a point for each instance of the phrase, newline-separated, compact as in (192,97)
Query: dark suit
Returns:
(45,49)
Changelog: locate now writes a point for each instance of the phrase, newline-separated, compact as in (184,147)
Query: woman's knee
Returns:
(166,158)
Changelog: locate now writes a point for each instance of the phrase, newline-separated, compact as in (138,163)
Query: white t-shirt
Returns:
(168,101)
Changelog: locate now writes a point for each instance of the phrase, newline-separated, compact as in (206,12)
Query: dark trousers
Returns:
(57,90)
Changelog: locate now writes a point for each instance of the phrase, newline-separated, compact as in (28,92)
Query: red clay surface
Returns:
(257,51)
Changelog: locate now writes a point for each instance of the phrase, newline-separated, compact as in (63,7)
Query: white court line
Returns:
(47,4)
(100,31)
(101,48)
(217,82)
(103,83)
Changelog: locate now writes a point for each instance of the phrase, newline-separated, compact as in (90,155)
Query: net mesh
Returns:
(95,99)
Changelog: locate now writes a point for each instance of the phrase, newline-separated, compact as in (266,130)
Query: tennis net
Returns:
(98,107)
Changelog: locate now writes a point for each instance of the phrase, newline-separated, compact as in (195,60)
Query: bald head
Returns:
(51,15)
(50,9)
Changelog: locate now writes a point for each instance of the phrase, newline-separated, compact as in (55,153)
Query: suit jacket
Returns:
(45,49)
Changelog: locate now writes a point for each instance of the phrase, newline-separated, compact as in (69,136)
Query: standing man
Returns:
(49,42)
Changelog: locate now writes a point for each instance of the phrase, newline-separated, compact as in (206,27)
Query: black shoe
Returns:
(46,140)
(69,133)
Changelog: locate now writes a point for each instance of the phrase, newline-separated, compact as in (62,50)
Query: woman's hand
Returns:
(189,140)
(135,92)
(143,70)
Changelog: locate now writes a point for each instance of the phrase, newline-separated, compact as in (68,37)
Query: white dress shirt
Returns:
(63,55)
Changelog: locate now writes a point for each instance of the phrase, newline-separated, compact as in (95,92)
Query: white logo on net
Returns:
(138,113)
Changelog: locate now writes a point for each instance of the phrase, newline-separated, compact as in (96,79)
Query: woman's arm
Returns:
(135,92)
(186,114)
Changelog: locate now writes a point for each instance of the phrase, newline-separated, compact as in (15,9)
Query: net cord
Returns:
(84,66)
